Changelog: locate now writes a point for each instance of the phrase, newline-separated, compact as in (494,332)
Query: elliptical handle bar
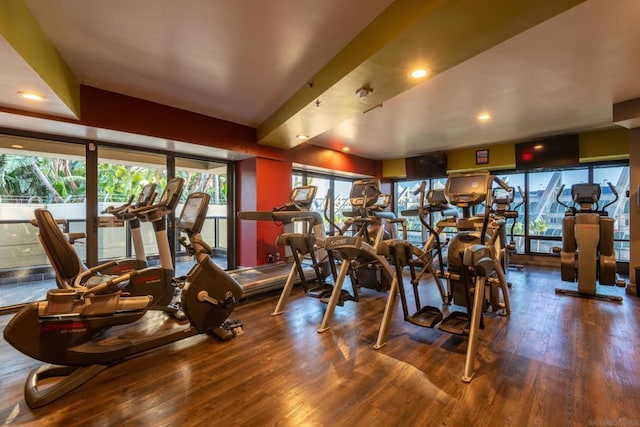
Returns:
(615,193)
(523,196)
(148,208)
(488,202)
(333,225)
(422,211)
(365,198)
(558,194)
(502,184)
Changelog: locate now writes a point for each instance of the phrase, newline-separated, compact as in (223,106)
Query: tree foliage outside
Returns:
(117,182)
(27,179)
(538,227)
(30,179)
(213,184)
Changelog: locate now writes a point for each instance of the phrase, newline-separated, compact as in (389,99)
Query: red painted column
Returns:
(262,184)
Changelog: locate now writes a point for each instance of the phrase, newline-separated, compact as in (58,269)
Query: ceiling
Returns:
(265,64)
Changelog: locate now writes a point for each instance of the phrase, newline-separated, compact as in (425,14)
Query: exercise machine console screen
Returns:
(193,213)
(303,195)
(467,189)
(364,193)
(586,196)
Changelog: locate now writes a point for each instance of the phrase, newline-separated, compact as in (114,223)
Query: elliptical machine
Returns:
(359,251)
(433,248)
(501,205)
(67,328)
(587,252)
(475,275)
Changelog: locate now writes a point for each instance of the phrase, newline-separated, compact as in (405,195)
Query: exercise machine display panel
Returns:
(467,189)
(584,193)
(194,212)
(364,191)
(147,195)
(304,195)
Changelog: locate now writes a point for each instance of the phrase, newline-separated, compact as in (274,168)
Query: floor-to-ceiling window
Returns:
(36,174)
(211,178)
(121,175)
(334,207)
(538,227)
(407,198)
(544,212)
(616,204)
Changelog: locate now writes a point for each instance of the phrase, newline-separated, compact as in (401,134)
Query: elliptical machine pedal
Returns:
(176,312)
(427,317)
(344,296)
(228,330)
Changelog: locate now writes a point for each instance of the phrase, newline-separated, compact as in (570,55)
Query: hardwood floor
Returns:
(555,361)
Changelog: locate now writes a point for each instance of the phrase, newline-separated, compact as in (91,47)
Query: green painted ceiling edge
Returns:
(23,32)
(437,34)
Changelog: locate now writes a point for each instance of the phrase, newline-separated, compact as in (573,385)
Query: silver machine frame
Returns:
(482,259)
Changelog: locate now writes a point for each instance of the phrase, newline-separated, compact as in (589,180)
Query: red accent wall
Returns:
(109,110)
(313,155)
(262,185)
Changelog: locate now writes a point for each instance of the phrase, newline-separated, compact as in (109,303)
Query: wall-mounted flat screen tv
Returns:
(559,151)
(432,165)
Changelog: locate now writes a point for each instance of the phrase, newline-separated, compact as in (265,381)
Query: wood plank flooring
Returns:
(556,361)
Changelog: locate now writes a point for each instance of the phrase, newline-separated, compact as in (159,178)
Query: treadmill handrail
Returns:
(284,217)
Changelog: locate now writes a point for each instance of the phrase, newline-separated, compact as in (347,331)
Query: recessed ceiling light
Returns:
(483,117)
(32,96)
(302,136)
(419,73)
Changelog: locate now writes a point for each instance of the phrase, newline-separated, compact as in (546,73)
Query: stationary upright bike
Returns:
(122,212)
(71,327)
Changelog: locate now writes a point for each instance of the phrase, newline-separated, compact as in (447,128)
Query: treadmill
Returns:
(273,276)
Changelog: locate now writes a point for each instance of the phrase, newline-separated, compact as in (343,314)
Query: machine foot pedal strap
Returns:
(427,317)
